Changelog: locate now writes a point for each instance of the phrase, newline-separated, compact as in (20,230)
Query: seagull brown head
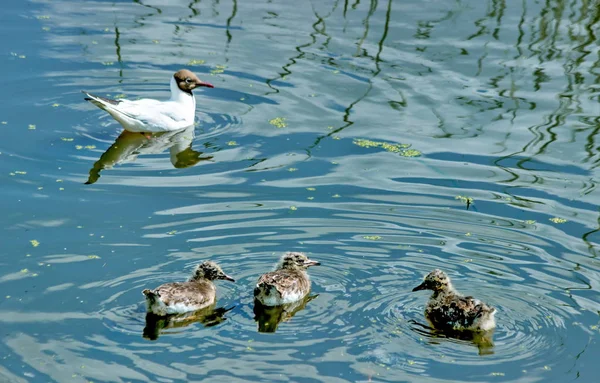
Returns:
(186,81)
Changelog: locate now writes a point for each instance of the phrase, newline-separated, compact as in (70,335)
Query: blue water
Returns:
(496,101)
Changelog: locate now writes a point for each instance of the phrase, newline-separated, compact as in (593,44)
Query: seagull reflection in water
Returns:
(208,317)
(129,145)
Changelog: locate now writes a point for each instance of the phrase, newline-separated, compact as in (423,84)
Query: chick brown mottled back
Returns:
(288,283)
(448,309)
(179,297)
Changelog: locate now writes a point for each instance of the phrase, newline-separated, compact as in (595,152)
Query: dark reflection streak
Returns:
(558,16)
(590,146)
(143,17)
(230,19)
(518,48)
(576,359)
(323,30)
(589,187)
(522,201)
(348,110)
(254,162)
(583,48)
(158,10)
(521,29)
(500,6)
(227,31)
(335,5)
(498,10)
(539,136)
(555,120)
(383,37)
(345,19)
(423,31)
(534,32)
(215,8)
(514,175)
(118,45)
(292,61)
(355,4)
(482,28)
(195,12)
(299,48)
(567,97)
(425,27)
(480,62)
(592,246)
(372,9)
(544,133)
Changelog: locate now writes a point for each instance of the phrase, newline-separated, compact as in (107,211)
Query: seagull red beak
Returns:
(206,84)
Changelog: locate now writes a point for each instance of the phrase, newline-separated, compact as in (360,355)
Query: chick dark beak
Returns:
(310,262)
(227,278)
(206,84)
(420,287)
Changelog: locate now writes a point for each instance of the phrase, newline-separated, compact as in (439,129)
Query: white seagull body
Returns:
(153,116)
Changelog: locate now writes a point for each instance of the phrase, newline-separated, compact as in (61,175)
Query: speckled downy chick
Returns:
(288,283)
(181,297)
(449,310)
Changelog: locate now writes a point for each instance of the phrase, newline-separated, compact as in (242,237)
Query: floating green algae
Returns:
(196,62)
(402,149)
(465,199)
(218,69)
(278,122)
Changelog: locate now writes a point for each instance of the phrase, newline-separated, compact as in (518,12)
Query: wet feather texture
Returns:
(288,283)
(449,310)
(180,297)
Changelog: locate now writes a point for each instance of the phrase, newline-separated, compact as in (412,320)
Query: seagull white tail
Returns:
(113,107)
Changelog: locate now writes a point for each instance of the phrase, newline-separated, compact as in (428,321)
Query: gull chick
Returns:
(151,116)
(180,297)
(288,283)
(449,310)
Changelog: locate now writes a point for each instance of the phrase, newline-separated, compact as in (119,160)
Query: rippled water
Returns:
(384,139)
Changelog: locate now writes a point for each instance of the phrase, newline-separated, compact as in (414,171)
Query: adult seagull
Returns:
(147,115)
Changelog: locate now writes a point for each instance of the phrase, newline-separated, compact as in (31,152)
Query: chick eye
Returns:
(188,80)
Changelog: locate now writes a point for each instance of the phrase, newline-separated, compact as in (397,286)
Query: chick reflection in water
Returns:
(269,317)
(209,316)
(282,293)
(483,340)
(128,146)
